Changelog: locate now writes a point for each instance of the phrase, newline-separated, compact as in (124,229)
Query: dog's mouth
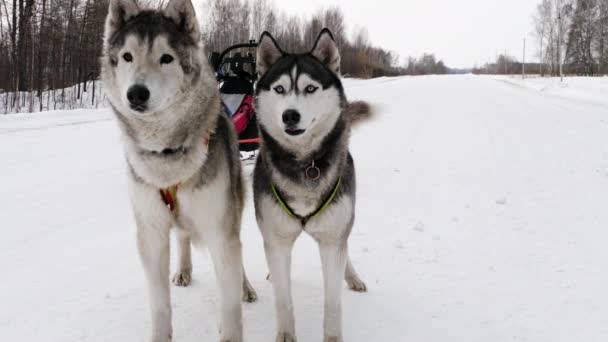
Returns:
(294,132)
(141,108)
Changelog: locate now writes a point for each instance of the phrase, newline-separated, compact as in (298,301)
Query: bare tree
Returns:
(333,19)
(542,28)
(49,49)
(581,37)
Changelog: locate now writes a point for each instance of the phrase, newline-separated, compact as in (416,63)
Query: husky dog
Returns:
(182,153)
(304,178)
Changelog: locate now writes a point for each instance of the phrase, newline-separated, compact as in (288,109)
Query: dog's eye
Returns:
(166,59)
(127,57)
(279,89)
(311,89)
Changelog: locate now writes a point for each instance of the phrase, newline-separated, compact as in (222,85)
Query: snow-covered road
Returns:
(481,217)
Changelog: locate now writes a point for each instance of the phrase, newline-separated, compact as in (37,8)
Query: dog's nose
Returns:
(291,117)
(138,95)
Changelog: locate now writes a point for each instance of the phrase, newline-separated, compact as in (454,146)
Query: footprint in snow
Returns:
(502,201)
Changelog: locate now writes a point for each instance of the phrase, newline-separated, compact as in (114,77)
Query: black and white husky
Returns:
(182,153)
(304,178)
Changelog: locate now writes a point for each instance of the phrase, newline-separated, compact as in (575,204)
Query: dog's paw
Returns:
(333,339)
(161,339)
(249,294)
(356,284)
(164,338)
(182,278)
(285,337)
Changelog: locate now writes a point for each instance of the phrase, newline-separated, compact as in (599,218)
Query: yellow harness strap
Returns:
(304,219)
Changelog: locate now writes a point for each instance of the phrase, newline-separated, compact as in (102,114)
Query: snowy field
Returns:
(481,217)
(590,89)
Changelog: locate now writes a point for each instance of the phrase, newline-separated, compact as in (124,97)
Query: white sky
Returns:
(463,33)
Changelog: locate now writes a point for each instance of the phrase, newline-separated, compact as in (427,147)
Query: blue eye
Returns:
(311,89)
(279,89)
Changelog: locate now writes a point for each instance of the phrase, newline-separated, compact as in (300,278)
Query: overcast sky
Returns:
(461,32)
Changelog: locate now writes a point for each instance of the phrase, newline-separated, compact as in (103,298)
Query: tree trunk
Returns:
(82,46)
(64,53)
(33,58)
(40,63)
(21,41)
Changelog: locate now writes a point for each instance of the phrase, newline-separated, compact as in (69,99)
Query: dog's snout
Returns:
(138,95)
(291,117)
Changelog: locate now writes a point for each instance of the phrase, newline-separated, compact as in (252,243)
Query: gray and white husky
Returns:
(304,178)
(182,153)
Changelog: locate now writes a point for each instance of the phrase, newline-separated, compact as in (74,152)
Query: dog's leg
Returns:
(153,244)
(278,256)
(249,294)
(352,278)
(225,251)
(333,259)
(183,275)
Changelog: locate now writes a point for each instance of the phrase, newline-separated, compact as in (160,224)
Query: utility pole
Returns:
(523,65)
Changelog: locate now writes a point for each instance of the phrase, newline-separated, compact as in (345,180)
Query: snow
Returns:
(588,89)
(481,217)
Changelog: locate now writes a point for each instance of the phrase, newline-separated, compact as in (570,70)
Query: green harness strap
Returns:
(315,213)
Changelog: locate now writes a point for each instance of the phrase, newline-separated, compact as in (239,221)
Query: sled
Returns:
(236,76)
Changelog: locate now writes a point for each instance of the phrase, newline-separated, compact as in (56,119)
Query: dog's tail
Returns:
(357,112)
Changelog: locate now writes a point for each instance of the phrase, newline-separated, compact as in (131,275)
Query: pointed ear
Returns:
(184,16)
(268,53)
(119,13)
(326,51)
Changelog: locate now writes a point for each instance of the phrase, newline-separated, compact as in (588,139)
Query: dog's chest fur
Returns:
(304,196)
(178,128)
(212,194)
(204,204)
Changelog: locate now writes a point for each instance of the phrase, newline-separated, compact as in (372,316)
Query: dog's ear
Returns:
(326,51)
(268,53)
(119,13)
(184,16)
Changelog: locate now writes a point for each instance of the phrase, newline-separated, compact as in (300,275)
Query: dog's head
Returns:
(299,96)
(151,58)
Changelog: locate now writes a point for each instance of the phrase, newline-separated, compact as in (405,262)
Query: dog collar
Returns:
(304,219)
(169,195)
(172,151)
(313,172)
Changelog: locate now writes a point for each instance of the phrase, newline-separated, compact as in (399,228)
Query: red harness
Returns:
(169,195)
